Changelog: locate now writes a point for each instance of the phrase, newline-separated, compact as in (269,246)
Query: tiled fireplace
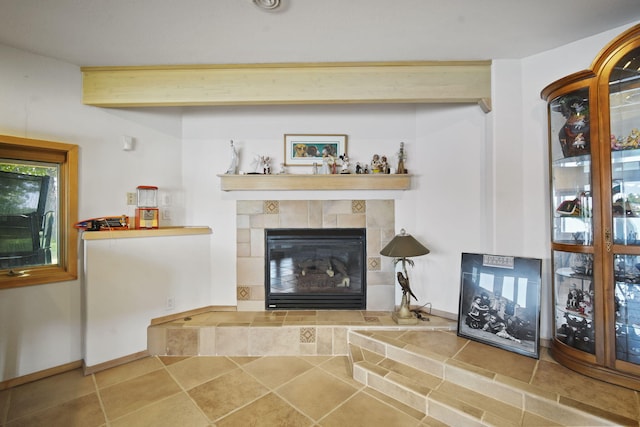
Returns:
(254,216)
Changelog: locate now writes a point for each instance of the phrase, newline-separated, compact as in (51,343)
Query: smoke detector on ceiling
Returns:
(267,4)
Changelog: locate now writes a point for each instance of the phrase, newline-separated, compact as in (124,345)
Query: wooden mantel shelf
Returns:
(315,182)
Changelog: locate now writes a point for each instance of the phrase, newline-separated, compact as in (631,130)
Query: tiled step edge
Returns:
(426,393)
(521,396)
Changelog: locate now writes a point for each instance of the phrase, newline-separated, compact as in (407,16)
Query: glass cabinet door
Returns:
(627,307)
(624,105)
(571,169)
(573,299)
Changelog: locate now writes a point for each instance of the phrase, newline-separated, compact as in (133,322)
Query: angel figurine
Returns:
(233,167)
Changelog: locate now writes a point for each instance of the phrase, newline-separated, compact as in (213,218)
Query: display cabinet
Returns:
(594,153)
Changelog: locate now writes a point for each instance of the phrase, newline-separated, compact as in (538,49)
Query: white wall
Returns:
(260,131)
(41,98)
(444,146)
(446,208)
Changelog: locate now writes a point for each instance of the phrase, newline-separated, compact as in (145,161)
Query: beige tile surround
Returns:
(253,216)
(266,333)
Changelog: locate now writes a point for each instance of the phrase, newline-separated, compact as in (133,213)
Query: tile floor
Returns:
(277,390)
(206,391)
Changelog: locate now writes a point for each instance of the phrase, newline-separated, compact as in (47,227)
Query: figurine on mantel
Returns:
(375,164)
(384,164)
(325,166)
(401,159)
(266,165)
(233,167)
(261,165)
(346,165)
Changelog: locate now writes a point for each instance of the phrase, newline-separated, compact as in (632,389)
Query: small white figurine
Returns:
(233,167)
(266,165)
(346,164)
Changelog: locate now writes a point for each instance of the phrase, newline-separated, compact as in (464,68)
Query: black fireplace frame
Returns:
(325,300)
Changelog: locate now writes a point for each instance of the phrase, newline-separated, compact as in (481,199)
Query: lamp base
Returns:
(400,320)
(404,316)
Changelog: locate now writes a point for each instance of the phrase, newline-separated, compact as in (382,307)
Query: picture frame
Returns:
(500,302)
(305,150)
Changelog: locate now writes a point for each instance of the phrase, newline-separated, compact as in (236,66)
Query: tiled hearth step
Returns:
(276,333)
(454,392)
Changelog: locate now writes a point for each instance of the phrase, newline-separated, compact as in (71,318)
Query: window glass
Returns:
(486,281)
(38,207)
(28,212)
(523,294)
(508,290)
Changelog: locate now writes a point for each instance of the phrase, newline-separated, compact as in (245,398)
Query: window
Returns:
(486,281)
(38,207)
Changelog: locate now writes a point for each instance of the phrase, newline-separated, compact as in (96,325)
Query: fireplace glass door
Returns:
(315,268)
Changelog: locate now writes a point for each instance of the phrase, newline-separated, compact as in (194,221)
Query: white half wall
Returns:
(128,282)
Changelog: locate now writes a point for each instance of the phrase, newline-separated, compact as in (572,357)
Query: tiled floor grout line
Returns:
(274,390)
(99,396)
(318,366)
(5,414)
(184,390)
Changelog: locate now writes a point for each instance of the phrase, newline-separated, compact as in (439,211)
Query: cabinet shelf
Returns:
(291,182)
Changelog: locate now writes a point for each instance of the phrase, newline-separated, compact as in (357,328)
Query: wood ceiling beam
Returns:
(262,84)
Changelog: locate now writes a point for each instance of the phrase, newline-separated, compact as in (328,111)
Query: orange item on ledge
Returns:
(147,218)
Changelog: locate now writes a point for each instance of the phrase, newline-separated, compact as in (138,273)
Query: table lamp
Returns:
(401,247)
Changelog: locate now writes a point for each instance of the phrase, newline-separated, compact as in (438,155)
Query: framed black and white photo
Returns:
(500,302)
(305,150)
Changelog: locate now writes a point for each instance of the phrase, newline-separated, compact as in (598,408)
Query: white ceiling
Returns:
(158,32)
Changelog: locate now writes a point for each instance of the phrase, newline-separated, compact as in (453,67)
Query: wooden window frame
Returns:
(66,156)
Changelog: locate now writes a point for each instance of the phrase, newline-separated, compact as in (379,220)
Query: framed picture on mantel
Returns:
(305,150)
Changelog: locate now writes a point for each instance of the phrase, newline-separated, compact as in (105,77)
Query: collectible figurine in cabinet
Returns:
(574,298)
(577,332)
(574,134)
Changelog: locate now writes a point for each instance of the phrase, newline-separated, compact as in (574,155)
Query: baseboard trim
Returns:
(444,314)
(35,376)
(88,370)
(194,312)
